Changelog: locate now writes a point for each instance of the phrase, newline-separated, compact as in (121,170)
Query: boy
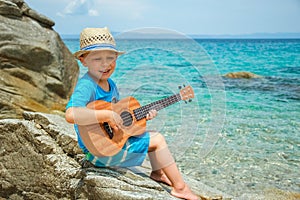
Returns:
(99,54)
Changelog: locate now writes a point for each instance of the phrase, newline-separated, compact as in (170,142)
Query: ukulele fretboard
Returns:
(141,112)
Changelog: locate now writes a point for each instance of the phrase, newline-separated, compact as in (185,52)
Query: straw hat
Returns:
(95,39)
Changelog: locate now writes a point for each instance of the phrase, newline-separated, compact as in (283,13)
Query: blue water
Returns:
(237,135)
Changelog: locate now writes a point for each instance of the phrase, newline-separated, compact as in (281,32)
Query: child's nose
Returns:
(106,62)
(103,64)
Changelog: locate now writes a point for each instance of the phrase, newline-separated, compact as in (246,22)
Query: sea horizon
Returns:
(279,35)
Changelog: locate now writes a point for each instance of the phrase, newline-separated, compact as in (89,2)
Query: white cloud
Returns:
(108,10)
(93,12)
(79,7)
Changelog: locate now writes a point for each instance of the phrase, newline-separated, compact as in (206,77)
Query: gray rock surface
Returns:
(40,159)
(38,72)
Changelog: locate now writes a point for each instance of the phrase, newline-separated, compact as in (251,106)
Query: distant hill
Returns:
(252,36)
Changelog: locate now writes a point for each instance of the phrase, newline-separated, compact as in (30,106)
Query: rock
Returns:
(42,19)
(118,183)
(40,159)
(38,72)
(32,164)
(9,9)
(246,75)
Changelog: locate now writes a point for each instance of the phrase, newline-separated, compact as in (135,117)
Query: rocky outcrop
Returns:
(40,159)
(38,72)
(246,75)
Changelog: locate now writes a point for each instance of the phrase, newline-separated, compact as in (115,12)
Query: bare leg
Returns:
(157,173)
(180,188)
(163,163)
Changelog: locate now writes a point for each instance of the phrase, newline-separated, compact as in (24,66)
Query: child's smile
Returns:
(105,71)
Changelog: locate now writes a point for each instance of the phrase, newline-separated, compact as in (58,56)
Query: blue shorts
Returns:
(133,153)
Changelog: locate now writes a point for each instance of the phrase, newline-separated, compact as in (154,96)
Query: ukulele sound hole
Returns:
(127,118)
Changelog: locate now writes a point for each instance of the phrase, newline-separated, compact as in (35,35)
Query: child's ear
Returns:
(81,59)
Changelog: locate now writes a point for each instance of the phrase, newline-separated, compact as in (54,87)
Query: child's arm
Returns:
(86,116)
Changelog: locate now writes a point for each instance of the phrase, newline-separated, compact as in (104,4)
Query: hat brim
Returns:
(79,53)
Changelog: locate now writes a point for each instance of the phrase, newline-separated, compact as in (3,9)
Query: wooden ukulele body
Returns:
(96,138)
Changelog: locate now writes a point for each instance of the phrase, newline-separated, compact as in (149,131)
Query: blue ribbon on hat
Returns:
(99,46)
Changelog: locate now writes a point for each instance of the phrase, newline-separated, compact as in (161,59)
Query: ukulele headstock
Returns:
(186,93)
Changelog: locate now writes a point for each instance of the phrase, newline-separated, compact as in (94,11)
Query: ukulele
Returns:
(101,140)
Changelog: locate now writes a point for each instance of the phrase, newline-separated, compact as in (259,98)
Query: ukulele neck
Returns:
(142,112)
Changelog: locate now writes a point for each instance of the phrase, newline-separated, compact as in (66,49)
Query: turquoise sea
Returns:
(237,135)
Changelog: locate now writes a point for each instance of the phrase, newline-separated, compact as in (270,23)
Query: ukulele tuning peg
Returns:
(183,85)
(185,102)
(179,87)
(190,100)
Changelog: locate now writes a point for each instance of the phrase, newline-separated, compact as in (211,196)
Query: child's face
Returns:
(101,64)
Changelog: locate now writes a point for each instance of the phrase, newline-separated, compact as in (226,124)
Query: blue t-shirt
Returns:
(86,91)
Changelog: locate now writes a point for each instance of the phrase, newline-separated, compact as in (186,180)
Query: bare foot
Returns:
(184,193)
(160,176)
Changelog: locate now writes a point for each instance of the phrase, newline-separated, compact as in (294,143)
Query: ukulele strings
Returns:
(141,112)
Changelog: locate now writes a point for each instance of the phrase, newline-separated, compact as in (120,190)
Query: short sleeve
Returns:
(83,93)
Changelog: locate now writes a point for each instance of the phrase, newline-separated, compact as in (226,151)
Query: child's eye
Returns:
(110,58)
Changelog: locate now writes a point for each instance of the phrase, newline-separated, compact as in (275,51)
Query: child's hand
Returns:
(151,114)
(115,121)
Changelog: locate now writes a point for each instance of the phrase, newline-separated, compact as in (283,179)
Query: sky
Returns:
(201,17)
